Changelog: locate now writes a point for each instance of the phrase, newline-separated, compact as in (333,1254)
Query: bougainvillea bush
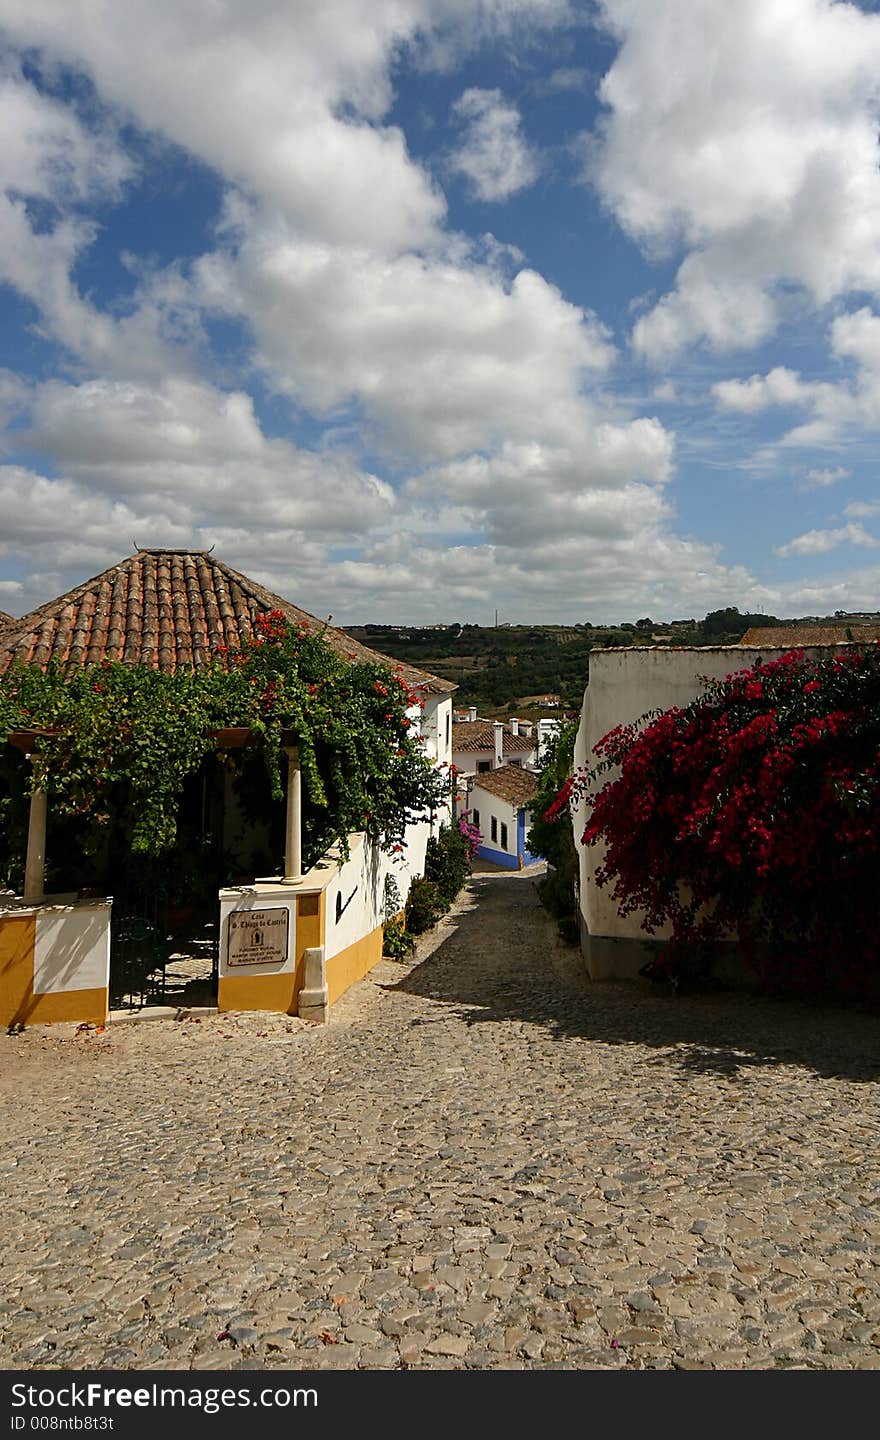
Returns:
(752,813)
(121,741)
(470,833)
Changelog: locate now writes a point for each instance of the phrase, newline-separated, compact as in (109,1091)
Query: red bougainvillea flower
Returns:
(753,812)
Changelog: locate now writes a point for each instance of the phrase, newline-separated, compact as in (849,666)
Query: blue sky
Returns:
(423,308)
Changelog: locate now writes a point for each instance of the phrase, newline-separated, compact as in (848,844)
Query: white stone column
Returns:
(36,847)
(293,825)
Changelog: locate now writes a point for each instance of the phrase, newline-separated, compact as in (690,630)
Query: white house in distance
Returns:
(479,746)
(500,802)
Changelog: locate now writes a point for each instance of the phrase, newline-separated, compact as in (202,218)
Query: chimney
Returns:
(525,728)
(499,743)
(472,713)
(514,725)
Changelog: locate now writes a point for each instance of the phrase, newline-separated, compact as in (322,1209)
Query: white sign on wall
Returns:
(257,937)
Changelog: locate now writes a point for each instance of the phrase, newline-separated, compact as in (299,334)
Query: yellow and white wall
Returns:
(338,907)
(55,956)
(54,961)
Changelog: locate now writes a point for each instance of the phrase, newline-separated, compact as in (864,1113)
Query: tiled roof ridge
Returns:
(167,608)
(861,632)
(509,782)
(479,735)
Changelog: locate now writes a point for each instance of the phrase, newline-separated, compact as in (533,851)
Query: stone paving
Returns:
(482,1162)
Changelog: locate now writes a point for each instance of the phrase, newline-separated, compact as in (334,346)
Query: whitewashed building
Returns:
(479,746)
(500,803)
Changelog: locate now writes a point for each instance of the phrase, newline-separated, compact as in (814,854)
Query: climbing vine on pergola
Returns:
(119,741)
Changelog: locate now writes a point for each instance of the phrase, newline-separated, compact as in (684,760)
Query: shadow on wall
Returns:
(49,956)
(503,961)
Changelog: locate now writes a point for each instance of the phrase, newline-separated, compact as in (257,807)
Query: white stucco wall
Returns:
(466,761)
(624,685)
(436,726)
(433,720)
(72,946)
(505,813)
(359,881)
(360,885)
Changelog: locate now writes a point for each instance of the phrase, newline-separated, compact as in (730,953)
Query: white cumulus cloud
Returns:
(441,354)
(746,135)
(198,455)
(287,98)
(493,153)
(819,542)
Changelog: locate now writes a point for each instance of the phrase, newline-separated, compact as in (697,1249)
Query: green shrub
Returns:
(447,863)
(424,906)
(552,838)
(569,929)
(397,943)
(447,867)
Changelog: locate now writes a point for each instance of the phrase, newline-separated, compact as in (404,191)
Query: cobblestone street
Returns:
(481,1162)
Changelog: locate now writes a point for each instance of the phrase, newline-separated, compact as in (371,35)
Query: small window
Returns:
(483,766)
(495,829)
(503,836)
(448,732)
(476,818)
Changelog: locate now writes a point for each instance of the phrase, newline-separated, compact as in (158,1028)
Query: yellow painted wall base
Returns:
(17,935)
(260,992)
(85,1006)
(18,1003)
(351,965)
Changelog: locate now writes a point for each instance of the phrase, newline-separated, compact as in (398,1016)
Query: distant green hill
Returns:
(508,667)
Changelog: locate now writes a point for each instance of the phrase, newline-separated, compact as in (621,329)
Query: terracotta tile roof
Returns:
(167,609)
(780,636)
(518,787)
(5,620)
(480,735)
